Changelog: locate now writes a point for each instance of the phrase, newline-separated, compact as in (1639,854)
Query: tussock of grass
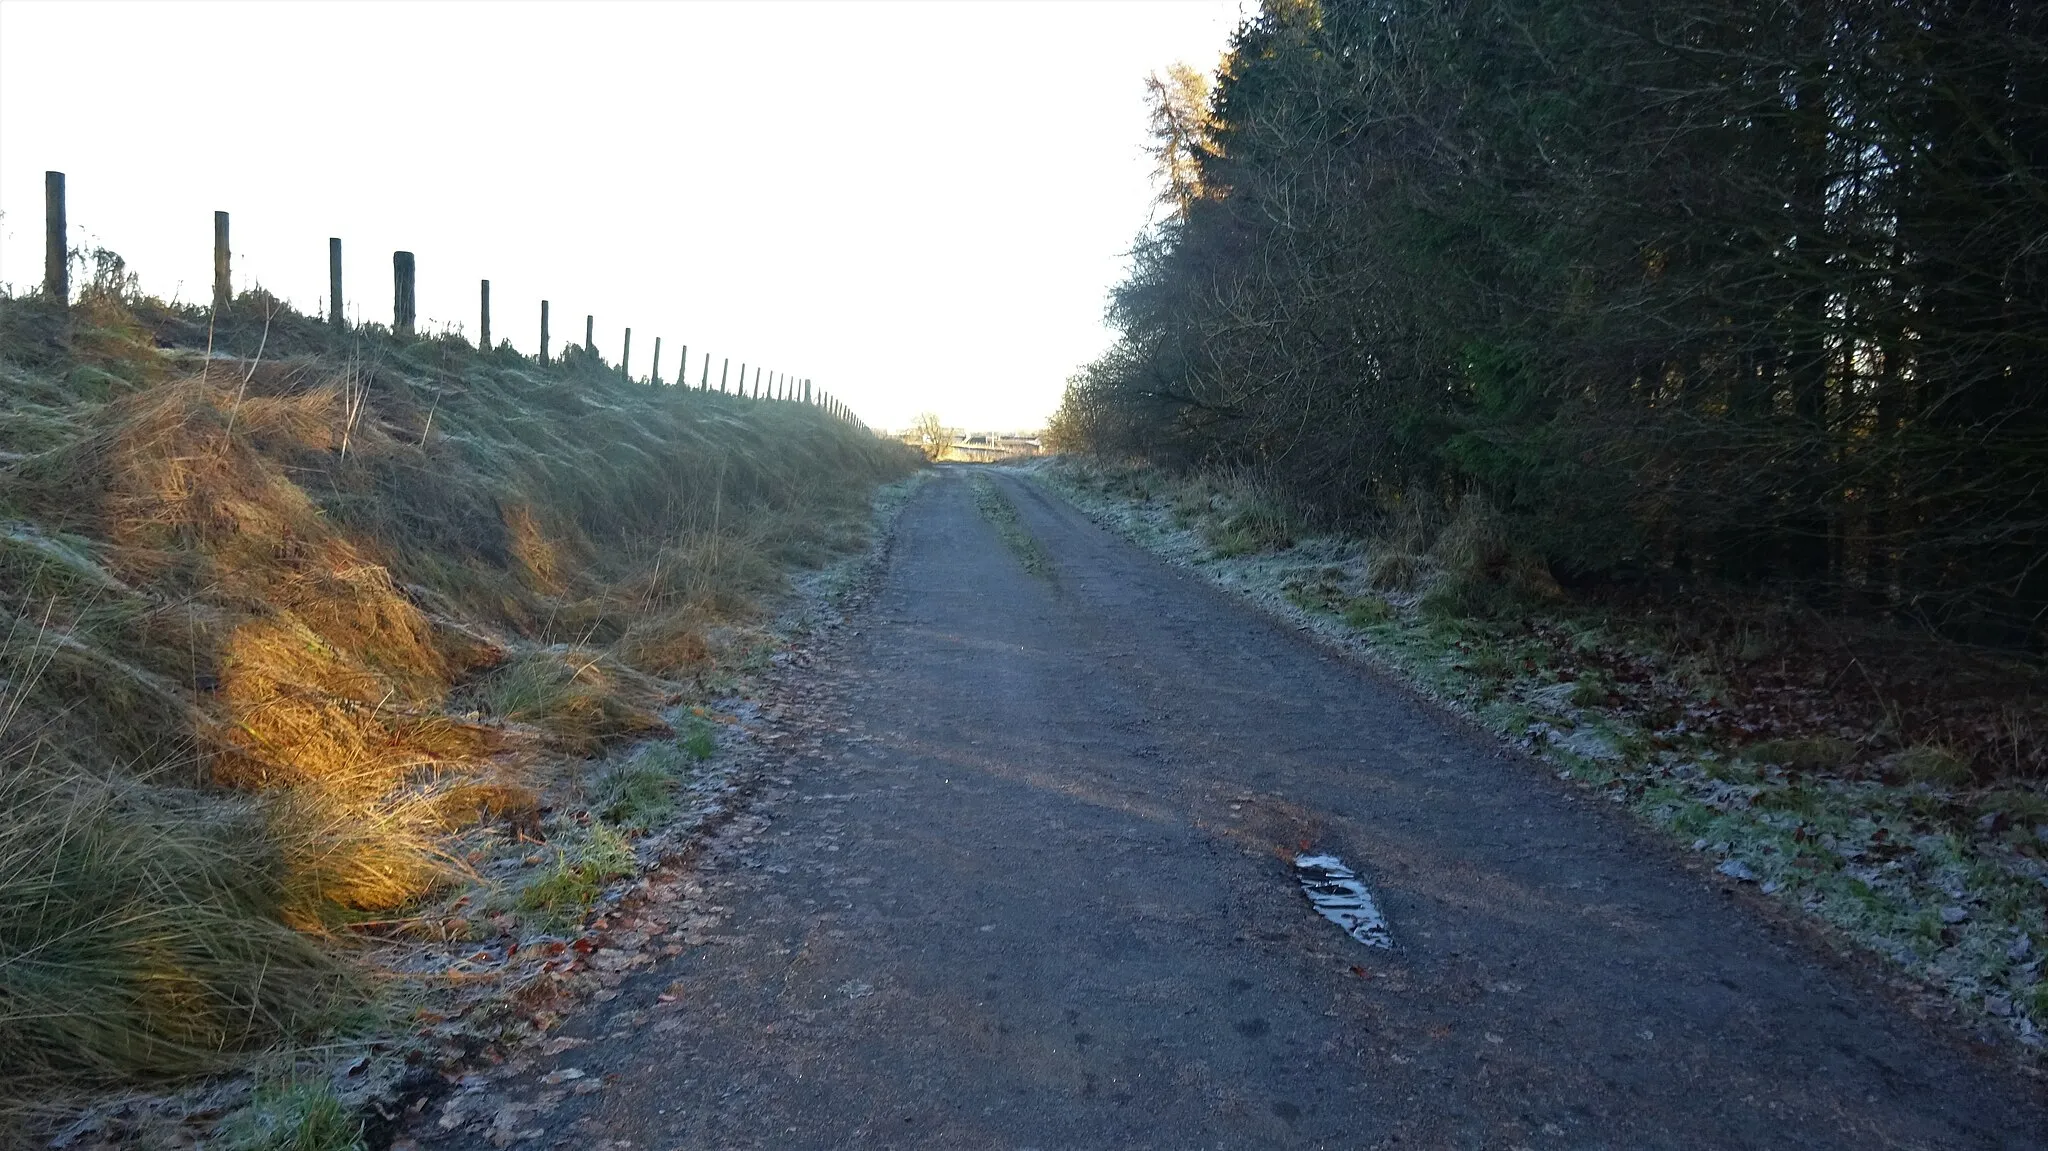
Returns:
(1811,753)
(143,931)
(700,739)
(563,892)
(1235,512)
(1480,574)
(294,1115)
(1367,611)
(1395,571)
(346,853)
(637,794)
(1590,689)
(1249,517)
(1927,763)
(580,697)
(276,626)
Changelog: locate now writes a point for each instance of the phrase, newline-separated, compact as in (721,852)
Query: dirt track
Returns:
(1037,895)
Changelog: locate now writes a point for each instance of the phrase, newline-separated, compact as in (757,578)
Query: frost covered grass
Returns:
(294,1115)
(306,632)
(563,893)
(1908,832)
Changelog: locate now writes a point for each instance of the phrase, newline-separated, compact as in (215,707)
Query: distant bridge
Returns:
(982,447)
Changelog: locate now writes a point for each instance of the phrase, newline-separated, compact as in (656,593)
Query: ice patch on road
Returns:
(1340,896)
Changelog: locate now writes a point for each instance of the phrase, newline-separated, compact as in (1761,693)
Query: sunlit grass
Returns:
(279,626)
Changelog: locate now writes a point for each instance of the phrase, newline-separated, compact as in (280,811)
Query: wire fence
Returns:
(765,383)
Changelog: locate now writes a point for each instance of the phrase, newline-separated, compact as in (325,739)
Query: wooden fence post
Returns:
(401,295)
(807,390)
(543,333)
(757,381)
(590,334)
(334,313)
(223,289)
(56,251)
(654,373)
(626,356)
(723,369)
(704,385)
(683,368)
(484,339)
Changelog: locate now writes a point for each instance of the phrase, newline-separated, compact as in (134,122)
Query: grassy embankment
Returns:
(1882,780)
(286,621)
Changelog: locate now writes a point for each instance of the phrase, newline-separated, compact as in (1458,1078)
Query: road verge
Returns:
(1941,879)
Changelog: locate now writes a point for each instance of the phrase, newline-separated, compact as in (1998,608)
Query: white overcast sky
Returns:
(919,205)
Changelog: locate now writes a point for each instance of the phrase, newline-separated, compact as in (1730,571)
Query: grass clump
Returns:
(640,793)
(1931,763)
(142,932)
(1590,689)
(1235,511)
(294,1115)
(1395,571)
(1367,611)
(1250,529)
(1810,753)
(1480,573)
(581,698)
(564,892)
(700,738)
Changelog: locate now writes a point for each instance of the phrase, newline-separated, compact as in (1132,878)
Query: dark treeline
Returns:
(1754,292)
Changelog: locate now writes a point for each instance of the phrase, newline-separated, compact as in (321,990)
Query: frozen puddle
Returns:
(1340,896)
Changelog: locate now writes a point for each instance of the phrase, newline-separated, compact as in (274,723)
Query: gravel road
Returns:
(1033,889)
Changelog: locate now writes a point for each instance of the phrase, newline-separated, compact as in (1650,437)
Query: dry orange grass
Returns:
(356,603)
(312,672)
